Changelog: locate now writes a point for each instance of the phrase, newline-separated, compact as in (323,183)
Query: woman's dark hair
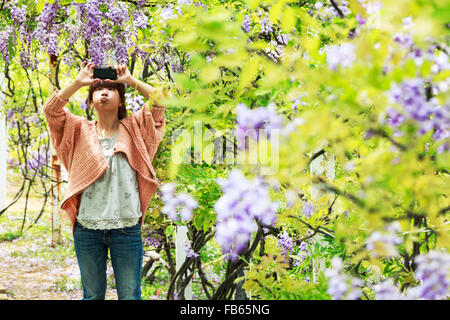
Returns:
(104,84)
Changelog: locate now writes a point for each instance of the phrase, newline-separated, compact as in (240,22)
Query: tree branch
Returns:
(335,6)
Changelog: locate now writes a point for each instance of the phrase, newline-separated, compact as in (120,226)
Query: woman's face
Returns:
(106,99)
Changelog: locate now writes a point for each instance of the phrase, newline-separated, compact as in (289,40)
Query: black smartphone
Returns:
(105,73)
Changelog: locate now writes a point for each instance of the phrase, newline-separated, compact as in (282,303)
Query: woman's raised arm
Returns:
(124,76)
(85,78)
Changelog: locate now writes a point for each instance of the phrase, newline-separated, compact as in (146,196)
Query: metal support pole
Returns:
(180,239)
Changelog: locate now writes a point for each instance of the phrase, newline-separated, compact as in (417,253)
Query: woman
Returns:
(111,177)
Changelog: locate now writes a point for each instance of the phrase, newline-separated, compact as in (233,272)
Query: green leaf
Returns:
(179,223)
(410,68)
(210,73)
(184,81)
(248,72)
(40,6)
(442,12)
(289,19)
(169,230)
(252,4)
(441,76)
(11,50)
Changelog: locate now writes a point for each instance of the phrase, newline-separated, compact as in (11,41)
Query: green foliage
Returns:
(379,178)
(9,236)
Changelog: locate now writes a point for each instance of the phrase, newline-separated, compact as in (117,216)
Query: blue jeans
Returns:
(126,250)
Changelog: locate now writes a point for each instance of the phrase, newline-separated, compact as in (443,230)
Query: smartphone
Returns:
(105,73)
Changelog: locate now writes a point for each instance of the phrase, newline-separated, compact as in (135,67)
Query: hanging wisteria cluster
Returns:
(243,202)
(105,26)
(340,55)
(410,95)
(292,253)
(259,25)
(341,286)
(178,207)
(133,102)
(385,243)
(251,123)
(433,274)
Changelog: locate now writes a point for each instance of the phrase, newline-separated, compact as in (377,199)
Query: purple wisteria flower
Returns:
(283,38)
(118,14)
(243,201)
(410,94)
(18,14)
(189,252)
(46,31)
(433,273)
(395,118)
(177,207)
(360,19)
(4,42)
(405,39)
(152,239)
(246,23)
(444,147)
(340,286)
(440,61)
(340,55)
(13,163)
(134,103)
(308,209)
(37,160)
(253,122)
(384,243)
(266,25)
(286,244)
(327,12)
(428,114)
(387,290)
(289,250)
(140,20)
(301,255)
(274,50)
(141,3)
(167,13)
(93,17)
(291,196)
(121,51)
(184,2)
(343,6)
(84,105)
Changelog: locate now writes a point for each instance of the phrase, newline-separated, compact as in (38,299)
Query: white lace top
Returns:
(112,201)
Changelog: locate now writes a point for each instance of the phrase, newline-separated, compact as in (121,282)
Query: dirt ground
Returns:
(31,279)
(30,268)
(28,275)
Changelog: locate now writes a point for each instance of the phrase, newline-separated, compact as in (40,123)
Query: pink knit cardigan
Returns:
(76,143)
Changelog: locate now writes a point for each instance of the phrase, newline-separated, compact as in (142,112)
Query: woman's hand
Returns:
(86,77)
(123,76)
